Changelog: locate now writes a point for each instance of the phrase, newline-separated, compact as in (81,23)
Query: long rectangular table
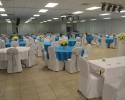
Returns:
(110,68)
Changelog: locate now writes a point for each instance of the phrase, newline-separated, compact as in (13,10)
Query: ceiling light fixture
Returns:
(49,20)
(77,12)
(122,11)
(93,8)
(43,10)
(63,16)
(105,14)
(44,21)
(123,16)
(83,21)
(51,5)
(41,22)
(92,19)
(2,10)
(55,18)
(1,3)
(3,14)
(36,15)
(107,18)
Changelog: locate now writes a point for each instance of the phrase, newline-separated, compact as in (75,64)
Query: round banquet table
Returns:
(109,41)
(63,53)
(23,53)
(71,42)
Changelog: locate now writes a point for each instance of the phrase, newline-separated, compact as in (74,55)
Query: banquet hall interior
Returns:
(62,49)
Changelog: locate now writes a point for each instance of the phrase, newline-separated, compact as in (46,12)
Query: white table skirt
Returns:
(23,53)
(110,68)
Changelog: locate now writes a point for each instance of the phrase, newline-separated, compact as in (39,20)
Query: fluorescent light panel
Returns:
(122,11)
(63,16)
(123,16)
(2,10)
(105,14)
(43,10)
(93,8)
(77,12)
(92,19)
(1,3)
(36,15)
(49,20)
(55,18)
(51,5)
(3,14)
(82,20)
(107,18)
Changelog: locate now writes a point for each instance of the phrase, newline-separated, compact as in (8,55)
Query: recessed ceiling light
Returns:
(107,18)
(122,11)
(32,18)
(93,8)
(63,16)
(105,14)
(44,21)
(51,5)
(123,16)
(3,14)
(49,20)
(9,22)
(55,18)
(2,9)
(77,12)
(68,22)
(7,19)
(1,3)
(43,10)
(41,22)
(36,15)
(92,19)
(82,20)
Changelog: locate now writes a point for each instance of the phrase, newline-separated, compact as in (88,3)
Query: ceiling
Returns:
(25,9)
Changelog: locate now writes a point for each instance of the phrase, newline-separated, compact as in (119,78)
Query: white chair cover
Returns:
(2,43)
(39,48)
(14,62)
(90,85)
(72,64)
(114,90)
(31,61)
(53,63)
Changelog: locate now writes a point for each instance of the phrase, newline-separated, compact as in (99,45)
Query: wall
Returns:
(107,26)
(5,28)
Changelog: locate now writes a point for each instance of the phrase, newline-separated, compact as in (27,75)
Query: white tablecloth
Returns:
(23,53)
(109,68)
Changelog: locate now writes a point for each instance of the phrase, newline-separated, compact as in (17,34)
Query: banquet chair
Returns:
(53,63)
(90,85)
(2,43)
(71,65)
(115,89)
(39,49)
(14,61)
(31,61)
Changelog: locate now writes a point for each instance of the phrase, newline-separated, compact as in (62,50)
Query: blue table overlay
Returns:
(63,53)
(71,42)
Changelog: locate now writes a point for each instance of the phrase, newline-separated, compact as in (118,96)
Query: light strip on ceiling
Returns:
(93,8)
(77,12)
(49,20)
(55,18)
(1,3)
(51,5)
(93,19)
(83,21)
(2,10)
(105,14)
(108,18)
(122,11)
(123,16)
(43,10)
(36,15)
(3,14)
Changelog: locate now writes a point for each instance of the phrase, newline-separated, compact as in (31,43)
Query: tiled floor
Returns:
(39,83)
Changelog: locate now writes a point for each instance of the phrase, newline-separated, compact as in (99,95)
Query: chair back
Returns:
(2,44)
(12,51)
(51,51)
(84,67)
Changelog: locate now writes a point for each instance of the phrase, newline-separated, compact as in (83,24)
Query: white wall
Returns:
(102,26)
(5,28)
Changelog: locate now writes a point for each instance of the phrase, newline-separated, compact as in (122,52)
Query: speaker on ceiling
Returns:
(17,21)
(103,6)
